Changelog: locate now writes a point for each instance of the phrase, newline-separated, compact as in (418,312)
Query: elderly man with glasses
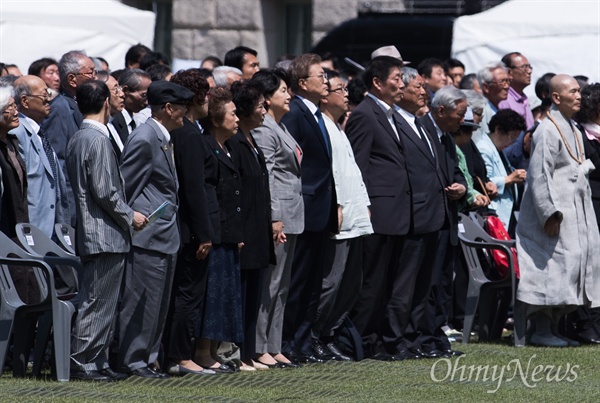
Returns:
(75,68)
(494,82)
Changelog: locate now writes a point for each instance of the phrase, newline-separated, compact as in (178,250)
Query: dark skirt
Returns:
(221,318)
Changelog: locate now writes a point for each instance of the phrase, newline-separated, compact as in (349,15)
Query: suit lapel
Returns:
(310,118)
(36,144)
(287,139)
(412,136)
(383,120)
(164,145)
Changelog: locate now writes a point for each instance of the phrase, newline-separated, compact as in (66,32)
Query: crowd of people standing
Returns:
(232,218)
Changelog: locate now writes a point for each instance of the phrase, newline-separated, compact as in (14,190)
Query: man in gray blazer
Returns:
(151,179)
(103,235)
(46,193)
(46,186)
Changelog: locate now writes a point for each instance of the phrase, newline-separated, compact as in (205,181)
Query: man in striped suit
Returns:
(104,221)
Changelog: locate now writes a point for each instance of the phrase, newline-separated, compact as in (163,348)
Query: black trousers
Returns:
(305,291)
(189,288)
(252,280)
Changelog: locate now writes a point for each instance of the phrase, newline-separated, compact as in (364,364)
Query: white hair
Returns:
(219,74)
(486,74)
(475,100)
(6,93)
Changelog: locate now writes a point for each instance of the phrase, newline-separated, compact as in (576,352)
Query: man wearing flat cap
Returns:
(150,179)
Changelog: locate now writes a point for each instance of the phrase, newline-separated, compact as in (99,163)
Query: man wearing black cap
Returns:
(151,180)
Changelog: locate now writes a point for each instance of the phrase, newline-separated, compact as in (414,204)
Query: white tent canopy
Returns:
(30,30)
(559,36)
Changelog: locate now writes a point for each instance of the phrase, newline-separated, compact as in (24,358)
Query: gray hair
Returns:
(409,74)
(5,94)
(447,96)
(475,100)
(220,75)
(20,89)
(132,78)
(283,64)
(8,81)
(486,74)
(70,63)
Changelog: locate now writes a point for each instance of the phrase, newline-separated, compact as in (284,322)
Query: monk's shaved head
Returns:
(559,82)
(565,94)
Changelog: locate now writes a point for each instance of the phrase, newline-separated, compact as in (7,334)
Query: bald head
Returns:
(31,94)
(565,93)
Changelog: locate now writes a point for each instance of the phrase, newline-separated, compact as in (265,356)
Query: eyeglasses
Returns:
(11,108)
(341,90)
(322,77)
(44,97)
(501,83)
(116,90)
(143,95)
(523,67)
(90,74)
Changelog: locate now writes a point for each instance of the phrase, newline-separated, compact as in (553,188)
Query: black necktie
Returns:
(50,154)
(422,134)
(319,116)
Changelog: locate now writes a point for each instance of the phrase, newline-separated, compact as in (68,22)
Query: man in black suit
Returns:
(380,155)
(134,83)
(412,284)
(447,113)
(306,125)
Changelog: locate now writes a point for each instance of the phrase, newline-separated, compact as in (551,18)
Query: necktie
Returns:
(132,124)
(422,135)
(319,116)
(50,154)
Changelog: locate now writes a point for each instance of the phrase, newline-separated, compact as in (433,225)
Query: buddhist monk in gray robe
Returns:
(557,236)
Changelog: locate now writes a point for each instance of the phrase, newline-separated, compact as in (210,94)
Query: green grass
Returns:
(365,381)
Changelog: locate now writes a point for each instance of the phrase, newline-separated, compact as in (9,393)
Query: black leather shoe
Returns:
(337,353)
(435,353)
(290,364)
(589,340)
(381,357)
(271,366)
(90,376)
(321,351)
(117,376)
(309,359)
(223,369)
(451,353)
(406,355)
(146,372)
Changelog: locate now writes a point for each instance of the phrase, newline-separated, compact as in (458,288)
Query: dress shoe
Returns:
(270,366)
(288,364)
(223,369)
(547,340)
(117,376)
(381,356)
(90,376)
(451,353)
(321,351)
(308,359)
(589,340)
(337,353)
(406,354)
(435,353)
(175,369)
(149,373)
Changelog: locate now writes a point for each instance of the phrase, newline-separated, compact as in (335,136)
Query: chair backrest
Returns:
(474,237)
(66,237)
(38,243)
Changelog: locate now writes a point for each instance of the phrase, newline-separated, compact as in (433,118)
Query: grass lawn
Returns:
(521,375)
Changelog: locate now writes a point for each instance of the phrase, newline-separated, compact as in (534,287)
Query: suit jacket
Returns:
(60,125)
(151,179)
(103,216)
(14,196)
(77,116)
(318,187)
(199,207)
(381,158)
(121,126)
(428,200)
(285,174)
(258,250)
(450,171)
(228,189)
(44,208)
